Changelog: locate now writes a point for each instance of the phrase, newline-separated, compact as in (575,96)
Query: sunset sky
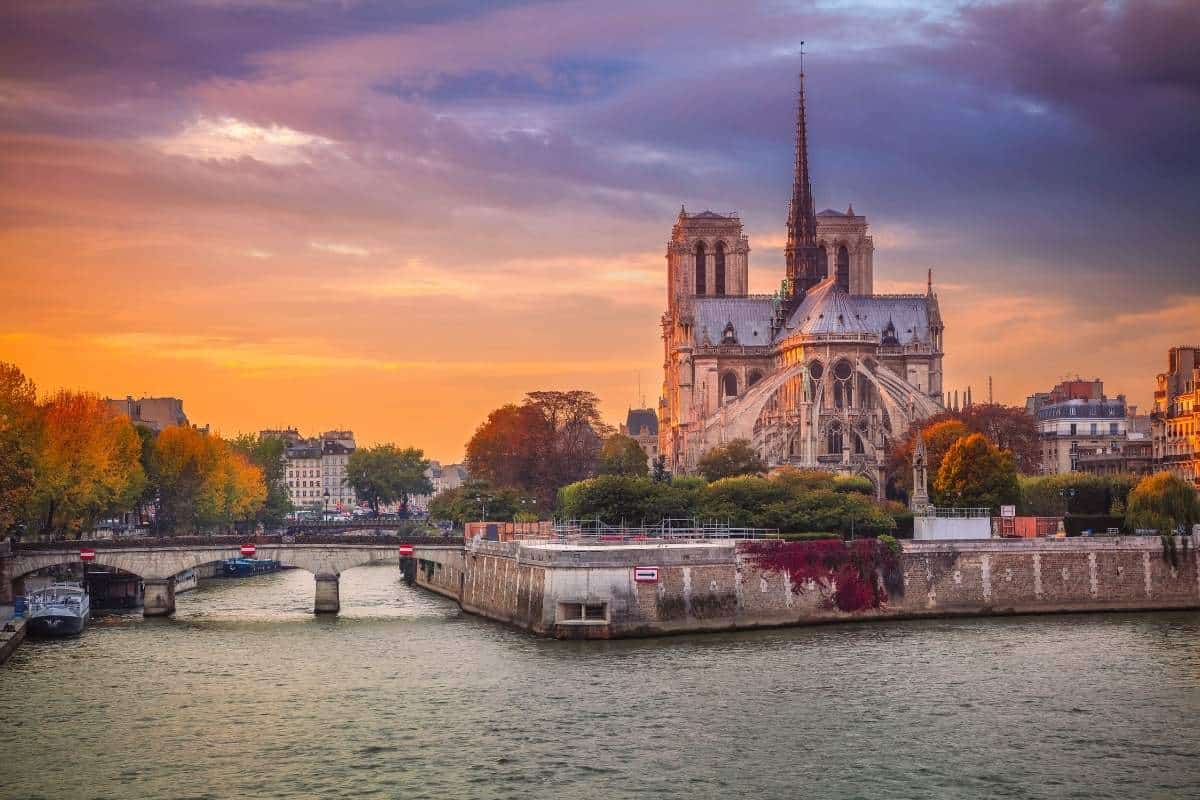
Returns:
(396,216)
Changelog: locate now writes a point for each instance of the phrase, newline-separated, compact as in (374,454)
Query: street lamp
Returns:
(484,502)
(1068,495)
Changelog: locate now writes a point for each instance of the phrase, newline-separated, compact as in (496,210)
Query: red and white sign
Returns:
(645,574)
(406,550)
(249,549)
(87,554)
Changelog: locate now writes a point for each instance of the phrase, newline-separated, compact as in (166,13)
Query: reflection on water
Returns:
(247,694)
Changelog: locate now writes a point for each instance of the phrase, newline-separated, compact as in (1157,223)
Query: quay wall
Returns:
(12,633)
(717,586)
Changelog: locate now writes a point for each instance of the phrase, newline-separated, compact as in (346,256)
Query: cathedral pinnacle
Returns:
(800,253)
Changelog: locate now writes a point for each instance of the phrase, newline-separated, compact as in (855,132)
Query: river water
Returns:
(246,694)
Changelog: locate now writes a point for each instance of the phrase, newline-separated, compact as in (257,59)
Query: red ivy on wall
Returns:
(861,573)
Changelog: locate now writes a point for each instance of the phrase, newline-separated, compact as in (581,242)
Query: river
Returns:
(246,694)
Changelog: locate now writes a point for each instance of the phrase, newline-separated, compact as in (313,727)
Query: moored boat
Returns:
(60,609)
(240,567)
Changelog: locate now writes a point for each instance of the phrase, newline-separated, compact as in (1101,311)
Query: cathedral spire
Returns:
(800,253)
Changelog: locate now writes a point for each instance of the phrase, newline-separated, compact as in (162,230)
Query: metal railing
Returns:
(956,513)
(673,530)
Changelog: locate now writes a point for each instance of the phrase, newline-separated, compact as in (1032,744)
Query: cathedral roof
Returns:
(750,317)
(827,309)
(642,421)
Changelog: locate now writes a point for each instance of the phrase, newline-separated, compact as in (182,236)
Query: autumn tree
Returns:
(728,460)
(267,453)
(386,474)
(1010,428)
(1163,502)
(18,426)
(622,455)
(550,440)
(506,447)
(87,463)
(939,434)
(203,483)
(975,473)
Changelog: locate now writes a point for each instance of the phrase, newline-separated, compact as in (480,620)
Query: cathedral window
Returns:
(843,268)
(822,262)
(700,269)
(729,384)
(755,377)
(834,439)
(719,279)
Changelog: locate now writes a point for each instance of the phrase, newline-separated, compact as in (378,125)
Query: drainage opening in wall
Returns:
(583,612)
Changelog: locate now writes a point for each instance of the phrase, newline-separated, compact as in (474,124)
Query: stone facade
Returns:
(1175,421)
(569,591)
(822,374)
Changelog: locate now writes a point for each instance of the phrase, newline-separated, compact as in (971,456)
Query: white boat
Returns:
(60,609)
(186,581)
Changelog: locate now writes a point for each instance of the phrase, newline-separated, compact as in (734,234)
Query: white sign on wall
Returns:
(645,574)
(1008,511)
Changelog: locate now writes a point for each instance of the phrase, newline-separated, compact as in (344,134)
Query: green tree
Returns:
(728,460)
(975,473)
(617,499)
(18,431)
(660,472)
(1163,502)
(385,474)
(477,501)
(940,433)
(622,455)
(267,453)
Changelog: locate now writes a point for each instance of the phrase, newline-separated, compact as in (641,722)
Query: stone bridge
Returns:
(157,564)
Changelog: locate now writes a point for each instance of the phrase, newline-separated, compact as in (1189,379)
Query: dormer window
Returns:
(729,335)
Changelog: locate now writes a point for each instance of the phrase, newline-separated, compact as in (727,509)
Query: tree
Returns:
(975,473)
(18,429)
(385,474)
(660,473)
(267,453)
(478,500)
(726,461)
(622,455)
(940,433)
(87,463)
(1163,502)
(550,440)
(1010,428)
(203,483)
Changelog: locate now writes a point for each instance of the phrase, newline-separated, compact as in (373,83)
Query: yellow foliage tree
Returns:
(203,482)
(18,428)
(86,463)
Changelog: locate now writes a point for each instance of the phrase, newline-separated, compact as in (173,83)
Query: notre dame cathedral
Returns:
(822,374)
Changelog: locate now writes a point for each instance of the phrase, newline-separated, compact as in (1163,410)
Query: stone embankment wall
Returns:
(714,586)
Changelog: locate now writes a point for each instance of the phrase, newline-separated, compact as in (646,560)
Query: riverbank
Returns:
(634,589)
(12,633)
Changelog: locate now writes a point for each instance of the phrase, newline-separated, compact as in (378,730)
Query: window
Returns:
(700,269)
(719,278)
(583,612)
(1112,428)
(729,384)
(1094,429)
(843,268)
(822,265)
(1073,426)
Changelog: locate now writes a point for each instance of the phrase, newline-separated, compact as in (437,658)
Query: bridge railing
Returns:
(234,541)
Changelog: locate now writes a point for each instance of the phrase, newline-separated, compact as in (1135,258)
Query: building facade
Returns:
(824,373)
(154,412)
(315,471)
(1175,421)
(1081,429)
(641,425)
